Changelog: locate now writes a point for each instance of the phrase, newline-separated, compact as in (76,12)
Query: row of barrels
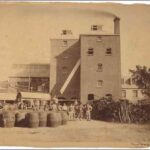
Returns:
(33,119)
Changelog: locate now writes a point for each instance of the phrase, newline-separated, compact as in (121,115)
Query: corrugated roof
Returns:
(30,70)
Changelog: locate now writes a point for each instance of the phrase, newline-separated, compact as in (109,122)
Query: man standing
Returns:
(19,96)
(59,107)
(18,99)
(88,112)
(64,107)
(54,107)
(71,112)
(80,114)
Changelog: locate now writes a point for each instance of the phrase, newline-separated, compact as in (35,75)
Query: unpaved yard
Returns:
(79,134)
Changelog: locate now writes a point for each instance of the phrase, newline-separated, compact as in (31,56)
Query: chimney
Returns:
(117,25)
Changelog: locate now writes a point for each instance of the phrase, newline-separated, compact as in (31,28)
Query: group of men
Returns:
(74,110)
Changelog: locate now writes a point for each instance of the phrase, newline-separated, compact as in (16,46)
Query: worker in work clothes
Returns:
(76,108)
(71,112)
(59,107)
(19,99)
(80,113)
(88,112)
(36,104)
(64,107)
(54,107)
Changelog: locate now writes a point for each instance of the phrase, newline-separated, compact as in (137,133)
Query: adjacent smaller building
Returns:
(132,92)
(30,78)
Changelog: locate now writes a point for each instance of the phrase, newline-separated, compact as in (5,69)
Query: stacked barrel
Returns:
(33,119)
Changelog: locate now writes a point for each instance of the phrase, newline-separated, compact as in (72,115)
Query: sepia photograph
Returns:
(74,75)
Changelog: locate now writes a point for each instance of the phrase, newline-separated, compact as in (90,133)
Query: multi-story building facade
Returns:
(100,66)
(64,56)
(86,68)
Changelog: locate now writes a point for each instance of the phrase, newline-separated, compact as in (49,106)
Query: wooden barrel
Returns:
(42,119)
(33,119)
(1,120)
(64,117)
(21,119)
(53,119)
(8,119)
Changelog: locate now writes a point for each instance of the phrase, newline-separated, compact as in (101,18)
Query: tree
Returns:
(141,77)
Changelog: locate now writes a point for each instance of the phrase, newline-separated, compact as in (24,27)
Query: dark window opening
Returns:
(96,27)
(99,67)
(65,32)
(109,97)
(99,38)
(109,51)
(65,42)
(135,93)
(64,69)
(90,96)
(90,51)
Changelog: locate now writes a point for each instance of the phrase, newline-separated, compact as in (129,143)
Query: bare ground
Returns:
(79,134)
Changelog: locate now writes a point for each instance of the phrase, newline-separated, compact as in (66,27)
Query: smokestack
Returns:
(116,25)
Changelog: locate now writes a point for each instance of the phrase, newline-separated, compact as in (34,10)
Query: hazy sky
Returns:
(26,29)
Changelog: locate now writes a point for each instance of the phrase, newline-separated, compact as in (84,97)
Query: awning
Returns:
(31,95)
(25,96)
(8,96)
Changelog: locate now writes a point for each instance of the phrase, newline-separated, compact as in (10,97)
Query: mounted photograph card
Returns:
(74,74)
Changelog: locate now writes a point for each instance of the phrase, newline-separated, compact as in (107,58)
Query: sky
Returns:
(26,30)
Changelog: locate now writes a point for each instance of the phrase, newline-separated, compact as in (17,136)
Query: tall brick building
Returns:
(86,68)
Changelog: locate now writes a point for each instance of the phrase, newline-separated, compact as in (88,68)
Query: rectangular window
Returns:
(135,93)
(99,38)
(123,93)
(90,96)
(64,69)
(99,67)
(65,32)
(65,42)
(99,83)
(108,51)
(96,27)
(90,51)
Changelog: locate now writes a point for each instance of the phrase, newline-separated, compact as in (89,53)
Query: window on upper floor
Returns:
(108,51)
(90,51)
(99,38)
(99,83)
(135,93)
(96,27)
(65,43)
(66,31)
(64,69)
(99,67)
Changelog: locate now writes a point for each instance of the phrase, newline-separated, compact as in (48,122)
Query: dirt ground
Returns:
(78,134)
